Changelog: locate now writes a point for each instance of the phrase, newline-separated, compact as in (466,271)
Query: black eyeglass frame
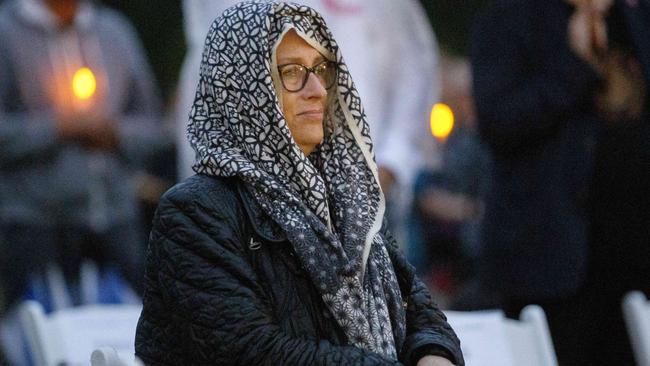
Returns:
(310,70)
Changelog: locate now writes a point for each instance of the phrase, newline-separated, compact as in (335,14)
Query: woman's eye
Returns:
(290,71)
(324,68)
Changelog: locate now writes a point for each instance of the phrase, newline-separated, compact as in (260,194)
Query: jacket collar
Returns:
(261,222)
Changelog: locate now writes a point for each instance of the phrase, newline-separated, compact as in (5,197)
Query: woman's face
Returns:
(305,109)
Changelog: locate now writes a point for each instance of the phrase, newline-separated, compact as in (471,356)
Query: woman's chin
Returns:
(308,145)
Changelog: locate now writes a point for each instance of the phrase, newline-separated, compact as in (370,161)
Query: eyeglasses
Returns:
(294,76)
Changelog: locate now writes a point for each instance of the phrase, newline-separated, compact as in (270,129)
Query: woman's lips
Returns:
(315,114)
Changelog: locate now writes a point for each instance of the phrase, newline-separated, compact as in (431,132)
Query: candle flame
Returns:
(84,83)
(442,121)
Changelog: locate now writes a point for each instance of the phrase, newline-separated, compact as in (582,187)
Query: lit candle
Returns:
(84,83)
(442,121)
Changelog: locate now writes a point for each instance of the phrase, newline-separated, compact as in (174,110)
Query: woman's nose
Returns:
(314,87)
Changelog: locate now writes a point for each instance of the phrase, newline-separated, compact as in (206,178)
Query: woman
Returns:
(273,253)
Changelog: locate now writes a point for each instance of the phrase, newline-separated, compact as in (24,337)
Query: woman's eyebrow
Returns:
(299,60)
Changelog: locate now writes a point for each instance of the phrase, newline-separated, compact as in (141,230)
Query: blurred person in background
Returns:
(561,94)
(79,113)
(448,201)
(392,52)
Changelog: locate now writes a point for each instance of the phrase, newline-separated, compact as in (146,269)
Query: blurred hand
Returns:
(92,131)
(386,179)
(624,89)
(587,30)
(448,206)
(600,5)
(434,361)
(149,188)
(102,134)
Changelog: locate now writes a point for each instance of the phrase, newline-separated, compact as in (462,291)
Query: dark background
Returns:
(160,25)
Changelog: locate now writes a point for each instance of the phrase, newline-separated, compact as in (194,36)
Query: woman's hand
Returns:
(434,361)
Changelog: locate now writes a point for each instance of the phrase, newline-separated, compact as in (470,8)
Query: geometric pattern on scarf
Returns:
(329,204)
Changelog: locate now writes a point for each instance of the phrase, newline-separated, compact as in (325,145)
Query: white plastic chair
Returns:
(489,338)
(71,335)
(107,356)
(636,311)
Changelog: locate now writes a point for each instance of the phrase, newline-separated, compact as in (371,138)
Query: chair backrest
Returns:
(71,335)
(489,338)
(107,356)
(636,311)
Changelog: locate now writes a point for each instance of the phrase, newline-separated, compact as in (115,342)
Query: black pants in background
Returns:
(27,250)
(588,327)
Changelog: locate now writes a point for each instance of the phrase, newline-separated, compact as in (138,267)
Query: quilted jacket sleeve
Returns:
(427,330)
(203,303)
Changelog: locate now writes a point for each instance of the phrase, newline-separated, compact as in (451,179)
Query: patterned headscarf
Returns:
(329,204)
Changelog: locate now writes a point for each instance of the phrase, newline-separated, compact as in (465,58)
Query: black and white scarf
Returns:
(330,204)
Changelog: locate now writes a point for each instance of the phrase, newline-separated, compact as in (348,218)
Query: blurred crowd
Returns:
(538,193)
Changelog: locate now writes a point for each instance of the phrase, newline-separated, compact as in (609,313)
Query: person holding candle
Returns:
(448,202)
(79,113)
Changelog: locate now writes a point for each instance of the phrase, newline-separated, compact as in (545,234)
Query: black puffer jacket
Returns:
(223,287)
